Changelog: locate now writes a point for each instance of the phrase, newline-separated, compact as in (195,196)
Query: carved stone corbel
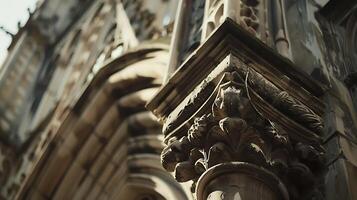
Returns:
(237,129)
(238,118)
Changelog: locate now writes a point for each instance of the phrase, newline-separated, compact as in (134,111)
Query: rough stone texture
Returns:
(320,48)
(256,99)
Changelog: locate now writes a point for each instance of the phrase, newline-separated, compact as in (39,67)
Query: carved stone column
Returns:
(239,180)
(242,122)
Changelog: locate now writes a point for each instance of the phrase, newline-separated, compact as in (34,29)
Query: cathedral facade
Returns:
(181,100)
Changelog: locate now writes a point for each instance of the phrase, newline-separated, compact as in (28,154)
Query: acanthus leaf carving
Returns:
(234,130)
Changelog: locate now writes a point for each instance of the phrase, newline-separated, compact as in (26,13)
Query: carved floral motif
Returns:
(235,130)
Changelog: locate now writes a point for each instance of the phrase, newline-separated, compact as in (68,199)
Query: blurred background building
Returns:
(78,74)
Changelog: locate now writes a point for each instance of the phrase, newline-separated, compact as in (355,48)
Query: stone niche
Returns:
(242,122)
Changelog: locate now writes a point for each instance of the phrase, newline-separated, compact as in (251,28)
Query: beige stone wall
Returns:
(98,44)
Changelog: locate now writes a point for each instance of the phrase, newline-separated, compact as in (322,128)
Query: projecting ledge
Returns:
(237,100)
(228,38)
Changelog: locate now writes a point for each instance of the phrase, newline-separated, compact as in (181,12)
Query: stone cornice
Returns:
(228,37)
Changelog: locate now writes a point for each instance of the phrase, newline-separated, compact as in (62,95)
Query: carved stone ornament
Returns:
(253,122)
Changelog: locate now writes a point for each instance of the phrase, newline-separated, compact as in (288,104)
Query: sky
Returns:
(12,12)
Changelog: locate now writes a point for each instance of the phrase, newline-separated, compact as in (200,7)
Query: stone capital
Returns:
(258,117)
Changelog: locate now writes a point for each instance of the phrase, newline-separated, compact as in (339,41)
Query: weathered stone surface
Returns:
(258,101)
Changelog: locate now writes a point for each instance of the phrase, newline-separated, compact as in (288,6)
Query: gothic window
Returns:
(188,31)
(194,27)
